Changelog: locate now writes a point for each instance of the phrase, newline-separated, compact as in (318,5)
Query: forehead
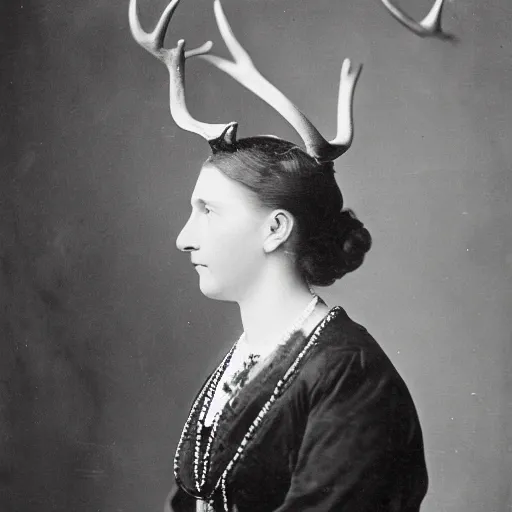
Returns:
(214,186)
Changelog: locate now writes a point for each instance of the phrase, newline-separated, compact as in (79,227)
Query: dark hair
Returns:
(330,241)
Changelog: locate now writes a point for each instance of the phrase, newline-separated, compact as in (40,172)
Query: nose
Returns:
(185,241)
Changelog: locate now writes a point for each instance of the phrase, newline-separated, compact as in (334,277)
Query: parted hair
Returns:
(329,241)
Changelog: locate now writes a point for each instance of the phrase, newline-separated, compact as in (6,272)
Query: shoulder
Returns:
(339,338)
(348,362)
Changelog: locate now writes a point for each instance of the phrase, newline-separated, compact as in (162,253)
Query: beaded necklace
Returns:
(245,359)
(278,390)
(206,396)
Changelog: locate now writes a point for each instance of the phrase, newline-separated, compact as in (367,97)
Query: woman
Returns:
(305,412)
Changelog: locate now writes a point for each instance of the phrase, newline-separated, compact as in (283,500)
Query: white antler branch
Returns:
(243,70)
(174,59)
(429,26)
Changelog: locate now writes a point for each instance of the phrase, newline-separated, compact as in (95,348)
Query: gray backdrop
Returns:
(104,334)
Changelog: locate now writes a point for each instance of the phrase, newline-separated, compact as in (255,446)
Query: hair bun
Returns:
(353,237)
(339,247)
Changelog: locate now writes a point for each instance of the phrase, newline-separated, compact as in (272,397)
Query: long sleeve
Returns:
(362,448)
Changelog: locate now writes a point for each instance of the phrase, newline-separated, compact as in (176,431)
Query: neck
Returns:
(270,309)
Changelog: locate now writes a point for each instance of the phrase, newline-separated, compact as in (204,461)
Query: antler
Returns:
(429,26)
(242,69)
(174,59)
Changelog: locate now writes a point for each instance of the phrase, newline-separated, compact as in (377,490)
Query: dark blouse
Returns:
(343,436)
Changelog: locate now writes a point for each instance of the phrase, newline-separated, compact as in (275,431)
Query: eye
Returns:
(206,210)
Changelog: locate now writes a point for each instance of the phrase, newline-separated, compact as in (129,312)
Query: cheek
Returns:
(238,247)
(234,261)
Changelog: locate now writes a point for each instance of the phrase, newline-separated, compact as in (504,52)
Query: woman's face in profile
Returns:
(224,235)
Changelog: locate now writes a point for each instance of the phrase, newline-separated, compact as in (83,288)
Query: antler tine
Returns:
(242,69)
(174,59)
(153,41)
(235,48)
(429,26)
(348,81)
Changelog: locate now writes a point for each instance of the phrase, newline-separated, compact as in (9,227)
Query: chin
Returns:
(211,292)
(215,293)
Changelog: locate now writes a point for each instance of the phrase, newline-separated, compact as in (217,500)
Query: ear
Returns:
(278,228)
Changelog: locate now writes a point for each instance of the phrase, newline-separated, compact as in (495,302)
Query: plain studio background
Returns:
(105,336)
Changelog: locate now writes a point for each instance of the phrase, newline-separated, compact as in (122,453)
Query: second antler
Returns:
(429,26)
(242,69)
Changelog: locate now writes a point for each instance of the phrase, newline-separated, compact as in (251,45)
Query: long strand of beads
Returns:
(211,393)
(214,377)
(199,428)
(292,370)
(221,396)
(199,482)
(206,396)
(206,456)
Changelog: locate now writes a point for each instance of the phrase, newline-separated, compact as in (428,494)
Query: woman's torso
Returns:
(341,434)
